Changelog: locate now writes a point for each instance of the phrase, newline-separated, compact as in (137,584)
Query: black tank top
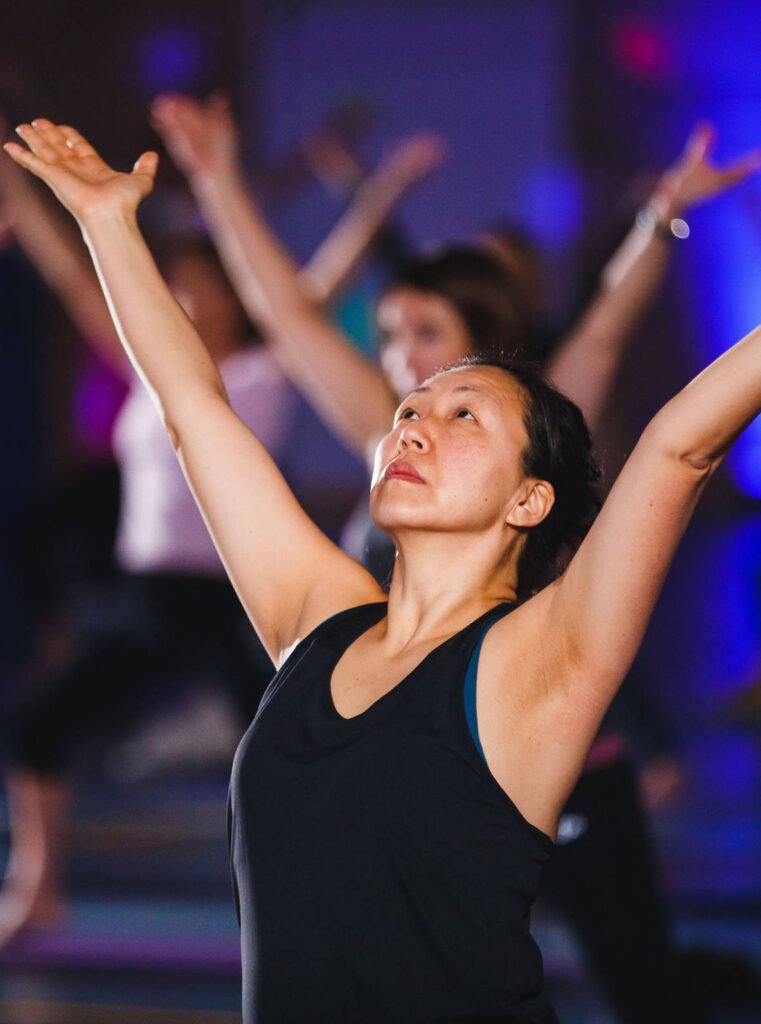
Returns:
(381,873)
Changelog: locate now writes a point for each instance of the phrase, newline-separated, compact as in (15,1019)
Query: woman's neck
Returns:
(443,581)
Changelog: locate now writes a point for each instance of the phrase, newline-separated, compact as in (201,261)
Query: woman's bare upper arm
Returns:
(575,640)
(287,573)
(596,614)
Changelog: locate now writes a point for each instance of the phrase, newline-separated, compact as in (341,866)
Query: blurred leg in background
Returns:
(158,631)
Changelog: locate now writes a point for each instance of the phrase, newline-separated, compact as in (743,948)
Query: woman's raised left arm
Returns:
(596,614)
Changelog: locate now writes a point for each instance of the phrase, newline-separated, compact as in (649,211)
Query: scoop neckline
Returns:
(363,715)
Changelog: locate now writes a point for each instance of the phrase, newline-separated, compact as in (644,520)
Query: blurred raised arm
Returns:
(52,244)
(348,390)
(342,253)
(587,360)
(288,575)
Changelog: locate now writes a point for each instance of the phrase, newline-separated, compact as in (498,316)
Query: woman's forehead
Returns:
(492,380)
(494,384)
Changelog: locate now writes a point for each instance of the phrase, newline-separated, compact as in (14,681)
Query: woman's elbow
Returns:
(176,416)
(697,455)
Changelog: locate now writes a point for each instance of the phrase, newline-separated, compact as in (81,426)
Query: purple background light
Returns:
(172,58)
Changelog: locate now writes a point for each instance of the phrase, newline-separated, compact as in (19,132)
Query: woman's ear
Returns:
(533,504)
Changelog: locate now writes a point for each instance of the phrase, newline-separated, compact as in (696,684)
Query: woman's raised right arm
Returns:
(288,575)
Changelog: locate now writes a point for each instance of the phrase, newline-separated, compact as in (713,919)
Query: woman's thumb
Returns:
(147,163)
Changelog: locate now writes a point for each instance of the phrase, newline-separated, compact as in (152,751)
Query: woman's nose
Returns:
(413,436)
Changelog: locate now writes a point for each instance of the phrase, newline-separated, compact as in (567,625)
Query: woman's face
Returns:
(452,462)
(420,332)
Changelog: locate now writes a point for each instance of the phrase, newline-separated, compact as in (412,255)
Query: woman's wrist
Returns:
(108,211)
(103,218)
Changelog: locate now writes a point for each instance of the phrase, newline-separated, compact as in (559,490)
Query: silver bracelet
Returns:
(669,231)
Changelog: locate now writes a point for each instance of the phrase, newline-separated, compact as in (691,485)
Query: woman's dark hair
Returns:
(559,450)
(485,294)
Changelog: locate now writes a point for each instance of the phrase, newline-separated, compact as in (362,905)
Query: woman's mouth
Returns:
(400,470)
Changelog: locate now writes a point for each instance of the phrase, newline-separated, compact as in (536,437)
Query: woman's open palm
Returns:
(81,179)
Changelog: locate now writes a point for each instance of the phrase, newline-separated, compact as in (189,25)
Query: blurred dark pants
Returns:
(152,633)
(605,883)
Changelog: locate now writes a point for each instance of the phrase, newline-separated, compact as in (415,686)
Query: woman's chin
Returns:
(391,520)
(395,517)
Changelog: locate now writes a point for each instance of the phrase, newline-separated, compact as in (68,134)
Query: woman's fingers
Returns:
(37,143)
(76,142)
(26,158)
(52,135)
(53,142)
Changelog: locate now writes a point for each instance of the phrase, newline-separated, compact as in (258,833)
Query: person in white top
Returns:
(160,528)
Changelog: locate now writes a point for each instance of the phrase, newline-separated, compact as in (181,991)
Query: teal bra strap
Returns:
(470,694)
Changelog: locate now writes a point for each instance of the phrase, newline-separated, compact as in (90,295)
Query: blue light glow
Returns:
(553,200)
(171,58)
(719,81)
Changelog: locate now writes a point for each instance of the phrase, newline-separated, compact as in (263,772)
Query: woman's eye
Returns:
(465,414)
(407,414)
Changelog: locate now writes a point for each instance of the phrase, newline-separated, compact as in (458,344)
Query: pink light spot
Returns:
(642,50)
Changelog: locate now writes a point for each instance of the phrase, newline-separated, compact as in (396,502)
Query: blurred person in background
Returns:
(564,647)
(440,307)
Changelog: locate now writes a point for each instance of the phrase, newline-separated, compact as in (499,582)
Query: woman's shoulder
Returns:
(336,625)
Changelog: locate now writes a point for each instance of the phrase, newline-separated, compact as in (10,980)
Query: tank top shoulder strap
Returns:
(478,636)
(343,626)
(472,636)
(336,631)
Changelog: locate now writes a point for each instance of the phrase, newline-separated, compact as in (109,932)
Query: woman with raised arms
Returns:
(395,798)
